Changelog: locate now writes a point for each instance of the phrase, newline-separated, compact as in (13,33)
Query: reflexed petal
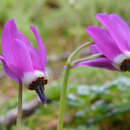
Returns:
(18,57)
(27,42)
(104,42)
(9,70)
(9,33)
(36,61)
(97,63)
(117,30)
(120,21)
(41,48)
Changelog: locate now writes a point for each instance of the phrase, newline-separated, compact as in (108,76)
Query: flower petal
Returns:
(41,48)
(9,70)
(104,42)
(118,19)
(36,62)
(18,57)
(117,30)
(94,49)
(27,42)
(102,62)
(9,33)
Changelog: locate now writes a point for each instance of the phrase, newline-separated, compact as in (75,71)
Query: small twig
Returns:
(28,108)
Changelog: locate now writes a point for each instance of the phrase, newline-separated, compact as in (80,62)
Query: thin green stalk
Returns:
(74,53)
(63,97)
(87,58)
(65,84)
(19,114)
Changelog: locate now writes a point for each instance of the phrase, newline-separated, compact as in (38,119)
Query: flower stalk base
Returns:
(19,114)
(63,97)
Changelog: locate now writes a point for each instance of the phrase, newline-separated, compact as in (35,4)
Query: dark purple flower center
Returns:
(125,66)
(37,82)
(38,86)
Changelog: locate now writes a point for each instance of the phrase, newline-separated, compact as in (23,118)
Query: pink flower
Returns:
(113,42)
(22,62)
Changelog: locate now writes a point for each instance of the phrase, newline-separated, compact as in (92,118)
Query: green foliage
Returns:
(53,92)
(91,104)
(93,75)
(96,104)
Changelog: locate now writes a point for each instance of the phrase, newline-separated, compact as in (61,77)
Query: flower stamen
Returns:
(38,86)
(125,65)
(34,84)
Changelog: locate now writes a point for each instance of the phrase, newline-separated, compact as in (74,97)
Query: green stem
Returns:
(74,53)
(87,58)
(19,114)
(65,84)
(63,97)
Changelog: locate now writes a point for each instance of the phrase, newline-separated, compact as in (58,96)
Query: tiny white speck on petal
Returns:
(29,77)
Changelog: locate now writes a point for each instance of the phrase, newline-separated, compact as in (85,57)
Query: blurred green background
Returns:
(97,99)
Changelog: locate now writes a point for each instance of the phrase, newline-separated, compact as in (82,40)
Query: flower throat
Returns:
(125,66)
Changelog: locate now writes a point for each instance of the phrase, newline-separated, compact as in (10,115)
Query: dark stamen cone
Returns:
(125,66)
(40,92)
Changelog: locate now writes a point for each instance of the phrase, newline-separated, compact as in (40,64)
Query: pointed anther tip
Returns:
(40,92)
(38,85)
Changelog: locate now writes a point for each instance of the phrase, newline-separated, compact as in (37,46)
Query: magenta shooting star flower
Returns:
(21,61)
(113,42)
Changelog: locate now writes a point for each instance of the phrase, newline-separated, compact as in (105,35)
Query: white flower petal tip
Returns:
(29,77)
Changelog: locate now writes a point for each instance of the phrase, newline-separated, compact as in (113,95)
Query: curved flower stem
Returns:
(87,58)
(74,53)
(65,85)
(63,97)
(19,113)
